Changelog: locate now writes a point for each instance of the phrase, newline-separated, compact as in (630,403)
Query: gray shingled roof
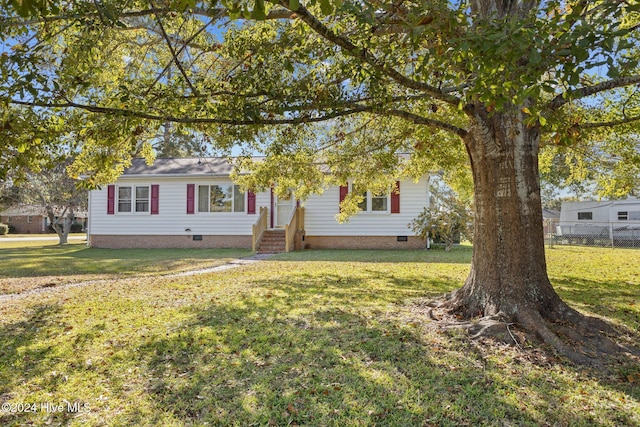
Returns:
(204,166)
(210,166)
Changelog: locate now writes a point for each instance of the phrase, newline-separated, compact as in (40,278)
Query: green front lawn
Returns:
(28,265)
(317,338)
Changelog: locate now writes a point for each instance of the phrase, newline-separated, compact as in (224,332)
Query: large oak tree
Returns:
(349,84)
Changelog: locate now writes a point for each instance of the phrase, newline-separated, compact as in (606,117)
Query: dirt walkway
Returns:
(50,289)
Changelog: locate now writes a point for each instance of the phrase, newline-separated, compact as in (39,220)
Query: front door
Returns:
(282,208)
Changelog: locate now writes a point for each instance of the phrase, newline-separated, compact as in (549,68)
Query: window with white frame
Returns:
(29,219)
(133,199)
(373,202)
(623,216)
(142,199)
(380,202)
(220,198)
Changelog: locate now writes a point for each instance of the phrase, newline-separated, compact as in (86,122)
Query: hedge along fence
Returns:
(613,234)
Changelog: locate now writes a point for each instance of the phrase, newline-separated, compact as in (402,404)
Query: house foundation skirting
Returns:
(363,242)
(111,241)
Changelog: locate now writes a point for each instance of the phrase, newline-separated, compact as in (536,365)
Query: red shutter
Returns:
(111,199)
(191,198)
(344,190)
(155,195)
(251,202)
(395,199)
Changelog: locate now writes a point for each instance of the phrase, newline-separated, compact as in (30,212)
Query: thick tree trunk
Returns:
(508,281)
(508,271)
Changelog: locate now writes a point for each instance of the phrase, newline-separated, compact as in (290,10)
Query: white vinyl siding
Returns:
(172,218)
(321,211)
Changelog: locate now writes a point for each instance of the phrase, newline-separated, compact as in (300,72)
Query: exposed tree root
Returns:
(565,332)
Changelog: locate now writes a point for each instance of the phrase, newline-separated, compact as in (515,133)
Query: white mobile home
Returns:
(614,219)
(194,203)
(616,211)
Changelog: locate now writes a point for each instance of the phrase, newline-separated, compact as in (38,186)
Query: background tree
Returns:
(9,195)
(591,173)
(58,194)
(47,185)
(349,85)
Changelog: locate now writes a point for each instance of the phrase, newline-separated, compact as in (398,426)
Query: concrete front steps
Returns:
(272,242)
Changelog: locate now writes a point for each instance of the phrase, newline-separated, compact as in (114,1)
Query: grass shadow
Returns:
(22,353)
(327,367)
(610,299)
(303,349)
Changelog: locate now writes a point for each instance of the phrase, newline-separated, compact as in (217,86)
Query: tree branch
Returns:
(374,109)
(213,47)
(586,91)
(369,58)
(173,52)
(18,22)
(193,120)
(420,120)
(182,48)
(612,123)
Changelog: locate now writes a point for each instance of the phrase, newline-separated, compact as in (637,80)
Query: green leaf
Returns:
(542,121)
(258,14)
(534,57)
(258,10)
(580,54)
(294,4)
(288,66)
(326,7)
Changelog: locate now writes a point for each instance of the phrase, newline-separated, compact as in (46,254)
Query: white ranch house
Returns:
(192,203)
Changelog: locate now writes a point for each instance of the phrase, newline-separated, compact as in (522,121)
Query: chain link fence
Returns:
(604,234)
